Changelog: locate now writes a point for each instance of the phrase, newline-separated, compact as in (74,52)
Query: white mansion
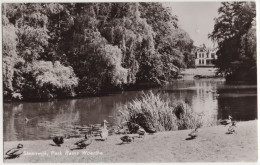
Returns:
(204,57)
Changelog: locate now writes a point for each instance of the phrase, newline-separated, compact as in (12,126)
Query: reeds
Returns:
(162,114)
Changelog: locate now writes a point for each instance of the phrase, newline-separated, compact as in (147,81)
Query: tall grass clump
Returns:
(159,112)
(188,119)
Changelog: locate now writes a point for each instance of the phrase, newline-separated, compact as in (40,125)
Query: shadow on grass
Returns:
(12,157)
(229,133)
(76,148)
(189,138)
(54,145)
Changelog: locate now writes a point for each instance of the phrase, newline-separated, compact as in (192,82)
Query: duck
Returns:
(193,134)
(226,121)
(150,129)
(141,132)
(212,91)
(83,143)
(216,95)
(144,123)
(231,128)
(121,130)
(26,120)
(104,131)
(15,152)
(127,139)
(133,127)
(58,140)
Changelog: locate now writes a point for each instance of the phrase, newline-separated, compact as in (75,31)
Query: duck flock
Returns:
(129,129)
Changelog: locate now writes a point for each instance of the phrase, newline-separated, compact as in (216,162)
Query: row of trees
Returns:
(235,33)
(53,50)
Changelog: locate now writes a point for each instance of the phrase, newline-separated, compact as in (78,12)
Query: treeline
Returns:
(235,33)
(57,50)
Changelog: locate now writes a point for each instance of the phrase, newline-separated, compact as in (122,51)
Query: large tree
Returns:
(235,33)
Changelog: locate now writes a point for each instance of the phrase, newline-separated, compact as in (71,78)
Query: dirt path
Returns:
(212,145)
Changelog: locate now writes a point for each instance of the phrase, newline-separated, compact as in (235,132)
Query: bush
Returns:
(188,119)
(163,114)
(46,80)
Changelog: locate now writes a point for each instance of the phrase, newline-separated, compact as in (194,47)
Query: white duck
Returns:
(104,131)
(193,134)
(226,121)
(141,132)
(231,128)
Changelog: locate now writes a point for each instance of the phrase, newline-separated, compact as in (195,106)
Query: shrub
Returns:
(47,80)
(188,119)
(162,114)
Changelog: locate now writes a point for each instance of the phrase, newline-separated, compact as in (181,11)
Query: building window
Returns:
(212,55)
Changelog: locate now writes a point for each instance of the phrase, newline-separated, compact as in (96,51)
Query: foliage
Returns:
(10,57)
(162,114)
(235,33)
(46,80)
(99,46)
(113,57)
(188,119)
(9,52)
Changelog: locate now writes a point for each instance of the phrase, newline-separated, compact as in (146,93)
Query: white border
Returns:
(85,1)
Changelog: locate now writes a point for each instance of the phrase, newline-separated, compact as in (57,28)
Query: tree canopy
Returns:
(53,50)
(235,33)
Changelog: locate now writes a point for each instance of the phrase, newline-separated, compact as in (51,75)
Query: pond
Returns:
(213,97)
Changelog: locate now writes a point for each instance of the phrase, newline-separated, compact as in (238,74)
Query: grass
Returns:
(160,112)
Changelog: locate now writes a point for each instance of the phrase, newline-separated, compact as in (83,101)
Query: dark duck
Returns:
(144,123)
(127,139)
(83,143)
(149,129)
(133,127)
(58,140)
(15,152)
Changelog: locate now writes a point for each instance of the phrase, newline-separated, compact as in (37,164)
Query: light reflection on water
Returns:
(214,98)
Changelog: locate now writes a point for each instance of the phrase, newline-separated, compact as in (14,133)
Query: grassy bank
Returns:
(212,145)
(200,71)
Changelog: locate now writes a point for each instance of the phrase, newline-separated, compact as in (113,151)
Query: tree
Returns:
(46,80)
(10,57)
(98,47)
(233,31)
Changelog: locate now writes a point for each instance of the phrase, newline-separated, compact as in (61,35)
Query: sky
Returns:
(197,19)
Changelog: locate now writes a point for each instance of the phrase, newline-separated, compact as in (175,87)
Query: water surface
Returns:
(213,97)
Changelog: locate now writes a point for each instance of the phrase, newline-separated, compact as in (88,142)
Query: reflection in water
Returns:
(213,98)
